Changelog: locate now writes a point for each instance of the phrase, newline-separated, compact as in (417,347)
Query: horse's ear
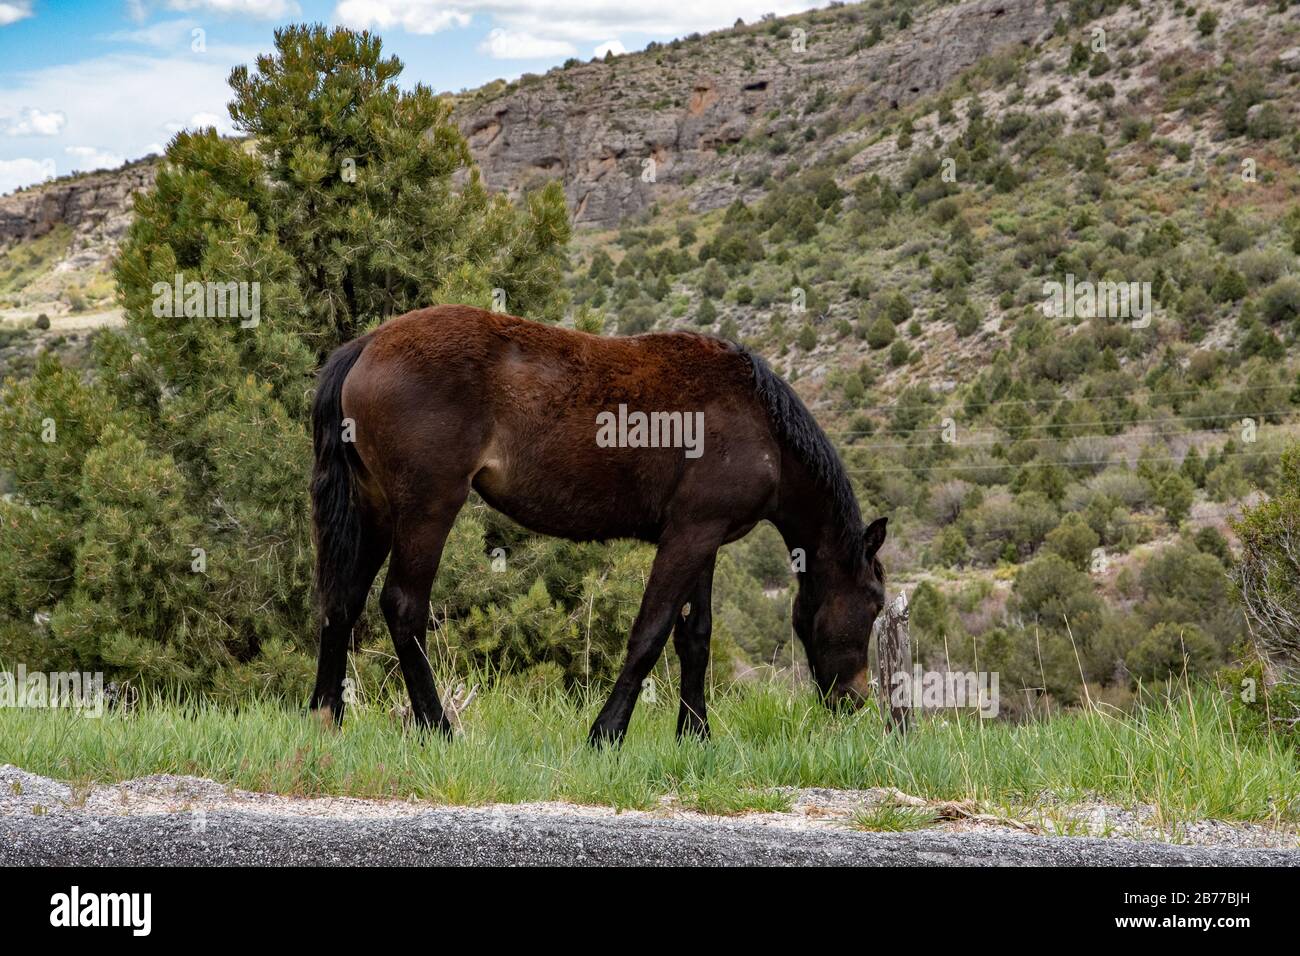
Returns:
(874,537)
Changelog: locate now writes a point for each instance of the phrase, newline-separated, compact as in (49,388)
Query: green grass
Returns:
(888,818)
(27,262)
(1185,755)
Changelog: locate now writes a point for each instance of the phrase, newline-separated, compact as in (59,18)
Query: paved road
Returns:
(484,837)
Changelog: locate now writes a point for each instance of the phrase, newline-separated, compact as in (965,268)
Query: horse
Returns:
(678,439)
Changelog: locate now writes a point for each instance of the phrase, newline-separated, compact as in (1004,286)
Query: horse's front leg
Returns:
(681,559)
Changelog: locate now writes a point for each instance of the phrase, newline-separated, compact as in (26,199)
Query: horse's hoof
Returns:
(601,736)
(328,718)
(694,732)
(425,727)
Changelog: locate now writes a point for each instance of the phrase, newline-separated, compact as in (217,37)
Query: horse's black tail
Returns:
(336,522)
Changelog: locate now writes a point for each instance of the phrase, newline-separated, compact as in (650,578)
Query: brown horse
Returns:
(681,440)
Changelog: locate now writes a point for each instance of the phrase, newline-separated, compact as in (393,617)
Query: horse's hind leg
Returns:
(691,636)
(677,566)
(418,537)
(340,611)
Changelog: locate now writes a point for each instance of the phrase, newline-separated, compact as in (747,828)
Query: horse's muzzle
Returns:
(849,696)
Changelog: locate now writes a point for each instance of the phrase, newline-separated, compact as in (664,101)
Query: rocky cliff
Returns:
(659,125)
(97,207)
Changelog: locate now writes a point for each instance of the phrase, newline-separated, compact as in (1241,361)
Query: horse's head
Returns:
(833,616)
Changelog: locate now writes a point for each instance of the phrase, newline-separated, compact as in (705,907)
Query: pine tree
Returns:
(160,517)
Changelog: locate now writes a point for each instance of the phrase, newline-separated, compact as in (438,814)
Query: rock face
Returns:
(693,119)
(666,123)
(97,206)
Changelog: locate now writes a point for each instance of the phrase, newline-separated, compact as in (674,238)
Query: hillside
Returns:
(874,196)
(693,106)
(1037,468)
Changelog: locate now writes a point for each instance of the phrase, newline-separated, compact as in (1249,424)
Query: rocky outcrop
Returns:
(654,126)
(97,206)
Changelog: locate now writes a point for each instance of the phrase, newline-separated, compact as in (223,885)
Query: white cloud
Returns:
(139,11)
(508,45)
(33,122)
(15,173)
(261,9)
(610,46)
(119,105)
(413,16)
(202,121)
(14,11)
(164,34)
(86,158)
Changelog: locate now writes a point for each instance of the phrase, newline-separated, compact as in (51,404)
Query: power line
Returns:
(1222,511)
(1002,402)
(1044,464)
(964,443)
(1040,427)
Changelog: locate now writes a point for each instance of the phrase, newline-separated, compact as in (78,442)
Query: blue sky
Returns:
(86,85)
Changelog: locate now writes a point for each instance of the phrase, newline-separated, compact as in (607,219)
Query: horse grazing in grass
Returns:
(681,440)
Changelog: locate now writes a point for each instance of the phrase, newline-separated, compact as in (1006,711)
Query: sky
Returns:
(88,85)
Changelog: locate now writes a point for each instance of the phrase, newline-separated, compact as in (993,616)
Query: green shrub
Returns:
(1168,651)
(1078,56)
(1175,494)
(930,615)
(880,333)
(707,313)
(1266,123)
(897,308)
(1183,584)
(1229,286)
(950,548)
(713,281)
(968,321)
(1052,592)
(1281,301)
(1073,540)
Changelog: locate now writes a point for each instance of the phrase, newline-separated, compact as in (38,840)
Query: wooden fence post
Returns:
(894,656)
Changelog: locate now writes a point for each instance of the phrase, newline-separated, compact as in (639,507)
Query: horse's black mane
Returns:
(797,427)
